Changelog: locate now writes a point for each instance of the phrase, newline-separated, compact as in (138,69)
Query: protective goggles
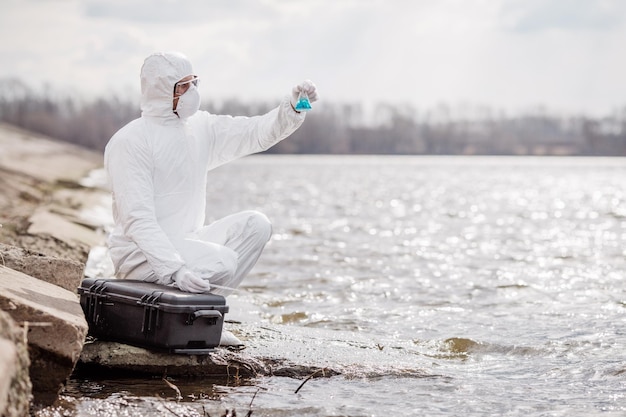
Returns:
(182,86)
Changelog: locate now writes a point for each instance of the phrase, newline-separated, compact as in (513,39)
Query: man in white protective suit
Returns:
(157,166)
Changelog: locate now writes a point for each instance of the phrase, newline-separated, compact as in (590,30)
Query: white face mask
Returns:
(188,103)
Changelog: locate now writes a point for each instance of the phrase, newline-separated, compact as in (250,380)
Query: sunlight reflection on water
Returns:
(505,252)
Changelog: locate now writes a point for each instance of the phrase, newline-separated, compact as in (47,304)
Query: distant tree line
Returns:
(333,128)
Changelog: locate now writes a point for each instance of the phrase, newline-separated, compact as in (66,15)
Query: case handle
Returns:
(207,313)
(212,315)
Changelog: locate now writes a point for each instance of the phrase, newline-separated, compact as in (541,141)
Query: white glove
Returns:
(186,280)
(308,87)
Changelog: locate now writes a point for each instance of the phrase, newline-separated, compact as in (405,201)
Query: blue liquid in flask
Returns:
(303,103)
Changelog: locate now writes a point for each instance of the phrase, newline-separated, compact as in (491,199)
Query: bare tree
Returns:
(343,128)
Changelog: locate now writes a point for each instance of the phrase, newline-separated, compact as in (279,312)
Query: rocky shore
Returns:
(46,236)
(45,241)
(44,244)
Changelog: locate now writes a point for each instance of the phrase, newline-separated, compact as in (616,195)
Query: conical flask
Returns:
(303,103)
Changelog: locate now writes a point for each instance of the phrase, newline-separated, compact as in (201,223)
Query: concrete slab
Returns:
(65,273)
(44,221)
(41,157)
(56,329)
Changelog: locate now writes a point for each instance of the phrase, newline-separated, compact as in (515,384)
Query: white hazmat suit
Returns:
(157,166)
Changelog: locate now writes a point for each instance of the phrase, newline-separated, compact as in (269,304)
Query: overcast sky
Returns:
(566,55)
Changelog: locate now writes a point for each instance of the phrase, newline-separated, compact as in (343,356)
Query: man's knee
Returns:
(259,225)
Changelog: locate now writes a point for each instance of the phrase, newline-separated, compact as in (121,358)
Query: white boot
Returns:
(229,339)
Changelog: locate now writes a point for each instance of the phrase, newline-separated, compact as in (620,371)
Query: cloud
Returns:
(172,12)
(511,53)
(572,15)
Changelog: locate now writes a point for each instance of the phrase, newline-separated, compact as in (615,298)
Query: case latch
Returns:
(150,312)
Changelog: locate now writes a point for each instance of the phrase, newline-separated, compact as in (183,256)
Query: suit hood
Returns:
(159,73)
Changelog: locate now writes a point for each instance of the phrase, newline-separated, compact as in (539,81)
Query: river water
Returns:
(504,275)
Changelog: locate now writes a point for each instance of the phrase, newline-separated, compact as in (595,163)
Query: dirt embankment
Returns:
(41,196)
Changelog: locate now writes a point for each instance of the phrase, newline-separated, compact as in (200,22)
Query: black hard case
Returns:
(150,315)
